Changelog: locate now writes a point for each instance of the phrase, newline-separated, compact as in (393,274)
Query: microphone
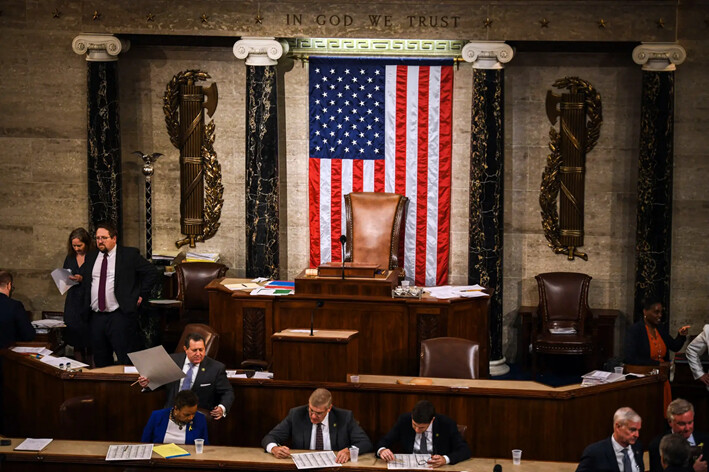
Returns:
(318,304)
(343,240)
(497,468)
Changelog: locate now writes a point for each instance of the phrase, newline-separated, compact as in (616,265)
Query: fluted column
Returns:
(103,126)
(487,158)
(653,242)
(262,186)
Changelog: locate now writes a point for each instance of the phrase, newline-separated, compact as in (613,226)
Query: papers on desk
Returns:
(48,323)
(155,364)
(409,461)
(62,362)
(598,377)
(315,460)
(231,374)
(42,351)
(33,444)
(241,285)
(129,452)
(62,280)
(272,291)
(168,451)
(456,291)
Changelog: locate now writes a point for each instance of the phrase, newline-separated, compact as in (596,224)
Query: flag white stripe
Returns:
(412,104)
(390,130)
(325,192)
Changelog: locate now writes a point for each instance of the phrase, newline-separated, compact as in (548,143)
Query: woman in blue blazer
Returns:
(181,424)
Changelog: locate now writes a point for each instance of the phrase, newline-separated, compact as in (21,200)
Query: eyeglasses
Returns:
(318,413)
(102,238)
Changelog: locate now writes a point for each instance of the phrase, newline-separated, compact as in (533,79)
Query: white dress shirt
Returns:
(326,444)
(185,368)
(694,351)
(618,449)
(173,433)
(111,302)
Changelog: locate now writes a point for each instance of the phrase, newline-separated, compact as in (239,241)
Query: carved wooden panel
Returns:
(254,333)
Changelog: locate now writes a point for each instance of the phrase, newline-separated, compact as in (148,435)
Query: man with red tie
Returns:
(119,280)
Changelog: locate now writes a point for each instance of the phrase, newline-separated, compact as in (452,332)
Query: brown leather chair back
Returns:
(76,418)
(452,358)
(374,223)
(563,300)
(211,338)
(192,277)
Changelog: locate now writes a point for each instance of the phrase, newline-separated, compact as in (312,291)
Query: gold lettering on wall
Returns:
(377,21)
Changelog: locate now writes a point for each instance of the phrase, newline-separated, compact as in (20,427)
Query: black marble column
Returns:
(653,243)
(104,145)
(262,220)
(486,194)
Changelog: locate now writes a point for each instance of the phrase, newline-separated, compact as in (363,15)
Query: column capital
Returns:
(99,47)
(488,54)
(260,51)
(659,57)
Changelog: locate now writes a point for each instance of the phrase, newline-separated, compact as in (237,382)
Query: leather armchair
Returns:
(192,277)
(211,338)
(563,304)
(374,224)
(452,358)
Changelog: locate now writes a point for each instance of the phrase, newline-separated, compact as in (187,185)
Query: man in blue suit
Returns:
(317,426)
(119,279)
(622,452)
(424,431)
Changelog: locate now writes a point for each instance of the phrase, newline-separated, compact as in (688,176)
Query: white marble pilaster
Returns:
(260,51)
(659,57)
(488,54)
(99,47)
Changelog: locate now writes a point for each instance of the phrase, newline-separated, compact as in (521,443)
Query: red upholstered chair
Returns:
(192,277)
(211,338)
(374,222)
(452,358)
(563,304)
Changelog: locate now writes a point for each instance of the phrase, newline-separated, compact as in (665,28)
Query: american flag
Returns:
(383,125)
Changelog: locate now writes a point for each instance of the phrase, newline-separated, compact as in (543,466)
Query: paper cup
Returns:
(516,456)
(354,453)
(199,446)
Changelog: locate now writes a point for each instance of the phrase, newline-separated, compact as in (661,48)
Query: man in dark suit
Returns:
(14,323)
(119,280)
(622,452)
(423,431)
(203,375)
(680,416)
(318,426)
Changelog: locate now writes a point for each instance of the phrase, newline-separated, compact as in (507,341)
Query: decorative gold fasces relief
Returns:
(580,114)
(301,48)
(200,172)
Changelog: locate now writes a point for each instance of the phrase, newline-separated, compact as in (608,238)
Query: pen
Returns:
(134,383)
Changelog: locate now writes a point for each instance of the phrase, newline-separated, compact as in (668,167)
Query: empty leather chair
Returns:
(453,358)
(192,277)
(211,338)
(76,418)
(374,224)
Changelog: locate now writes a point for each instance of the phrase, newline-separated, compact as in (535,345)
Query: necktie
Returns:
(424,446)
(188,379)
(102,283)
(627,466)
(318,438)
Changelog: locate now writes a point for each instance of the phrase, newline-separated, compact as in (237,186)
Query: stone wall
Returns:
(43,134)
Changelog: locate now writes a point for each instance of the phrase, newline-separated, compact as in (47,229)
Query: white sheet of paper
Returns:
(129,369)
(315,460)
(155,364)
(33,444)
(409,461)
(62,280)
(31,350)
(231,374)
(263,375)
(129,452)
(57,361)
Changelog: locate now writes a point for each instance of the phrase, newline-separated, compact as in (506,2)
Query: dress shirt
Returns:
(173,433)
(327,446)
(618,449)
(111,301)
(429,442)
(185,368)
(694,351)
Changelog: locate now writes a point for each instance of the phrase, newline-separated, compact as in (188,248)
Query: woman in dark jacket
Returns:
(75,315)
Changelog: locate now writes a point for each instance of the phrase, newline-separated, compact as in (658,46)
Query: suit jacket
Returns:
(344,430)
(600,457)
(210,384)
(637,344)
(695,350)
(654,449)
(135,277)
(447,441)
(154,431)
(14,323)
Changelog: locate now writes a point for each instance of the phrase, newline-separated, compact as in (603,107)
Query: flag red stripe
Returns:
(400,173)
(379,177)
(314,202)
(336,208)
(357,175)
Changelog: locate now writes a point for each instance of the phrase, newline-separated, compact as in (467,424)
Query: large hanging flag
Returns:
(383,125)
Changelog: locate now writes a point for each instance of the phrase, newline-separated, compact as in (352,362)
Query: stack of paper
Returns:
(598,377)
(171,450)
(201,257)
(33,444)
(457,291)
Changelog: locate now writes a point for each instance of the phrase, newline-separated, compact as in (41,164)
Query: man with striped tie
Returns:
(203,375)
(317,426)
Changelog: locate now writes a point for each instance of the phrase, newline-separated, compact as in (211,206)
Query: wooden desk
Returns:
(90,455)
(500,415)
(326,356)
(391,329)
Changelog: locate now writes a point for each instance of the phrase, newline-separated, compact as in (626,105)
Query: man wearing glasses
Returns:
(119,279)
(424,432)
(318,426)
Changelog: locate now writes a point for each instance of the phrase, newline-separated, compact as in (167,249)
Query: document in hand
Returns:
(155,364)
(168,451)
(62,280)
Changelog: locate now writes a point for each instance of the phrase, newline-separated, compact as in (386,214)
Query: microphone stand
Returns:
(318,304)
(343,240)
